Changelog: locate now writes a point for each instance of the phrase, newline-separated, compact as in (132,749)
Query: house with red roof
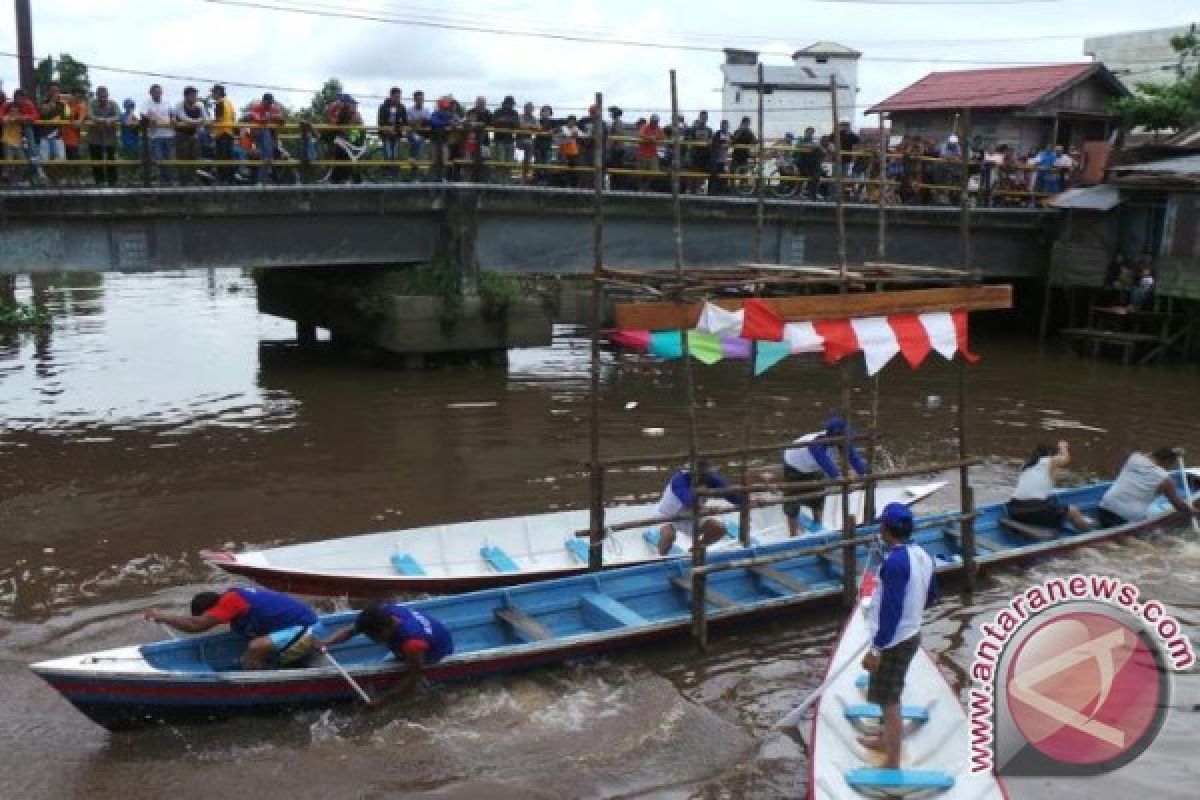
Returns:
(1025,108)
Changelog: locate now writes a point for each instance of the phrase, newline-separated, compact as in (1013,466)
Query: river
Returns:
(163,415)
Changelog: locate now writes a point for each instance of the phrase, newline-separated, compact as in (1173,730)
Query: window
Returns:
(737,97)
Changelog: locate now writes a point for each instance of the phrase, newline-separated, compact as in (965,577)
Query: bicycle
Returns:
(779,179)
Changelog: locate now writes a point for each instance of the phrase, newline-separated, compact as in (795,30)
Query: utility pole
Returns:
(24,19)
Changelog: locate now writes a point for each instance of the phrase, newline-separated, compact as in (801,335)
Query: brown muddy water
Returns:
(162,415)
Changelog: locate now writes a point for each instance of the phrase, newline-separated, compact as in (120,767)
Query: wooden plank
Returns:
(711,595)
(915,268)
(667,316)
(782,578)
(526,626)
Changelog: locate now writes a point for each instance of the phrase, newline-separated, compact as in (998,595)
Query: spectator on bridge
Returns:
(77,107)
(418,135)
(848,140)
(587,144)
(720,147)
(504,120)
(348,134)
(17,135)
(102,137)
(190,116)
(650,136)
(224,120)
(477,120)
(391,117)
(157,114)
(442,122)
(53,114)
(617,145)
(527,122)
(568,148)
(809,157)
(543,145)
(741,144)
(131,137)
(699,152)
(266,116)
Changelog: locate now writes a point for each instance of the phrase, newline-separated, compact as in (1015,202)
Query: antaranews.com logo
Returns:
(1072,678)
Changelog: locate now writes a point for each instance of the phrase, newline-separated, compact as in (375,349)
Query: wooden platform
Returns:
(1126,342)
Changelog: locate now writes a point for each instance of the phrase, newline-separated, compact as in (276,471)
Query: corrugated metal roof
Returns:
(1005,87)
(1184,165)
(1092,198)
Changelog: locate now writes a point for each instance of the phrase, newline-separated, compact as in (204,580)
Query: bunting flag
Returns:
(879,339)
(714,319)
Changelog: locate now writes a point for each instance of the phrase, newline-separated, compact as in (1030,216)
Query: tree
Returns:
(316,109)
(69,73)
(1167,106)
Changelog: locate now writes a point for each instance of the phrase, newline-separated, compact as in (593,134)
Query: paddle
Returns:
(366,698)
(1187,489)
(792,717)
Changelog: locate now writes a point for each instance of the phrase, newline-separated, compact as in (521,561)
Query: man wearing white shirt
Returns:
(158,115)
(418,121)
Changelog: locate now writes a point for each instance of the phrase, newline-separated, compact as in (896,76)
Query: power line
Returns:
(364,16)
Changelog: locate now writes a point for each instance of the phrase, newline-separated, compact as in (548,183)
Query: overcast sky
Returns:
(900,39)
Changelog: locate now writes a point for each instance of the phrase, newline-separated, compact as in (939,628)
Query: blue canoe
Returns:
(497,630)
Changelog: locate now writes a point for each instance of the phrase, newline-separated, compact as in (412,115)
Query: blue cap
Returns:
(835,427)
(897,518)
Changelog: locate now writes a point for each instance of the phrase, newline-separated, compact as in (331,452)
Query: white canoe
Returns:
(934,758)
(474,555)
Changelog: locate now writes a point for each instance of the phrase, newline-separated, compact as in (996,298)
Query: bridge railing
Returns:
(307,153)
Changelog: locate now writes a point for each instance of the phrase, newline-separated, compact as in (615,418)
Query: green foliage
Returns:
(1167,106)
(23,316)
(441,279)
(69,73)
(497,293)
(316,109)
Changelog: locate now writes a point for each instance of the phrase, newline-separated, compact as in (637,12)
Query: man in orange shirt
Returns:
(647,157)
(72,134)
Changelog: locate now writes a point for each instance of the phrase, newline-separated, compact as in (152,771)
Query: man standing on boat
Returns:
(278,628)
(812,461)
(415,638)
(678,498)
(1141,480)
(905,588)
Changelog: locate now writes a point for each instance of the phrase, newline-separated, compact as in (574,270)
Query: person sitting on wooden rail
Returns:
(812,462)
(905,589)
(1031,502)
(679,498)
(1140,481)
(411,636)
(279,629)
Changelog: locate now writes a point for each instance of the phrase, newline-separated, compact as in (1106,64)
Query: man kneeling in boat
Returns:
(278,628)
(415,638)
(906,587)
(1140,481)
(678,498)
(1032,502)
(811,461)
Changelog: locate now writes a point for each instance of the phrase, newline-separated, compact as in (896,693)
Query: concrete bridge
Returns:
(477,226)
(341,257)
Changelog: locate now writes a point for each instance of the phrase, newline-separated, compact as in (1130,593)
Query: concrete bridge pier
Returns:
(399,311)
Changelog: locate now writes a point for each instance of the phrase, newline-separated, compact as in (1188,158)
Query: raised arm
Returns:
(185,623)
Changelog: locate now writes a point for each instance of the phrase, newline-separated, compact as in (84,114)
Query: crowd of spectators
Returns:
(195,139)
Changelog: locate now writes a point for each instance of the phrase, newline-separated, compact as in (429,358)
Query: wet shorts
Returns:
(815,503)
(887,682)
(293,644)
(1045,513)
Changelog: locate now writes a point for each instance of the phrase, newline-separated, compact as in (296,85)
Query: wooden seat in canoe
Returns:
(710,595)
(498,559)
(868,717)
(898,782)
(609,612)
(405,564)
(770,577)
(526,628)
(1035,532)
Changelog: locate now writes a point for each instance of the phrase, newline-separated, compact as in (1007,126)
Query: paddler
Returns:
(1142,479)
(678,499)
(906,587)
(411,636)
(278,629)
(813,461)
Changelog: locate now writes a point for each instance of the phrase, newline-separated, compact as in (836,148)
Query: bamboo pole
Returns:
(699,628)
(747,428)
(965,154)
(730,452)
(966,492)
(761,171)
(596,539)
(881,244)
(838,182)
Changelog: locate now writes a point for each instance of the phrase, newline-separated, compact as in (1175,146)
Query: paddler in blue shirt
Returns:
(906,587)
(411,636)
(279,630)
(812,460)
(678,498)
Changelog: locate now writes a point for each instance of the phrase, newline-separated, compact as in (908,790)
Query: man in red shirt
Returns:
(650,136)
(267,116)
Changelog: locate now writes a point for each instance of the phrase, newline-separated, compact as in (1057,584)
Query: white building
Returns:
(1139,57)
(795,97)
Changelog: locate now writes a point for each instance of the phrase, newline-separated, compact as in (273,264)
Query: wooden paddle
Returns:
(366,698)
(1187,489)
